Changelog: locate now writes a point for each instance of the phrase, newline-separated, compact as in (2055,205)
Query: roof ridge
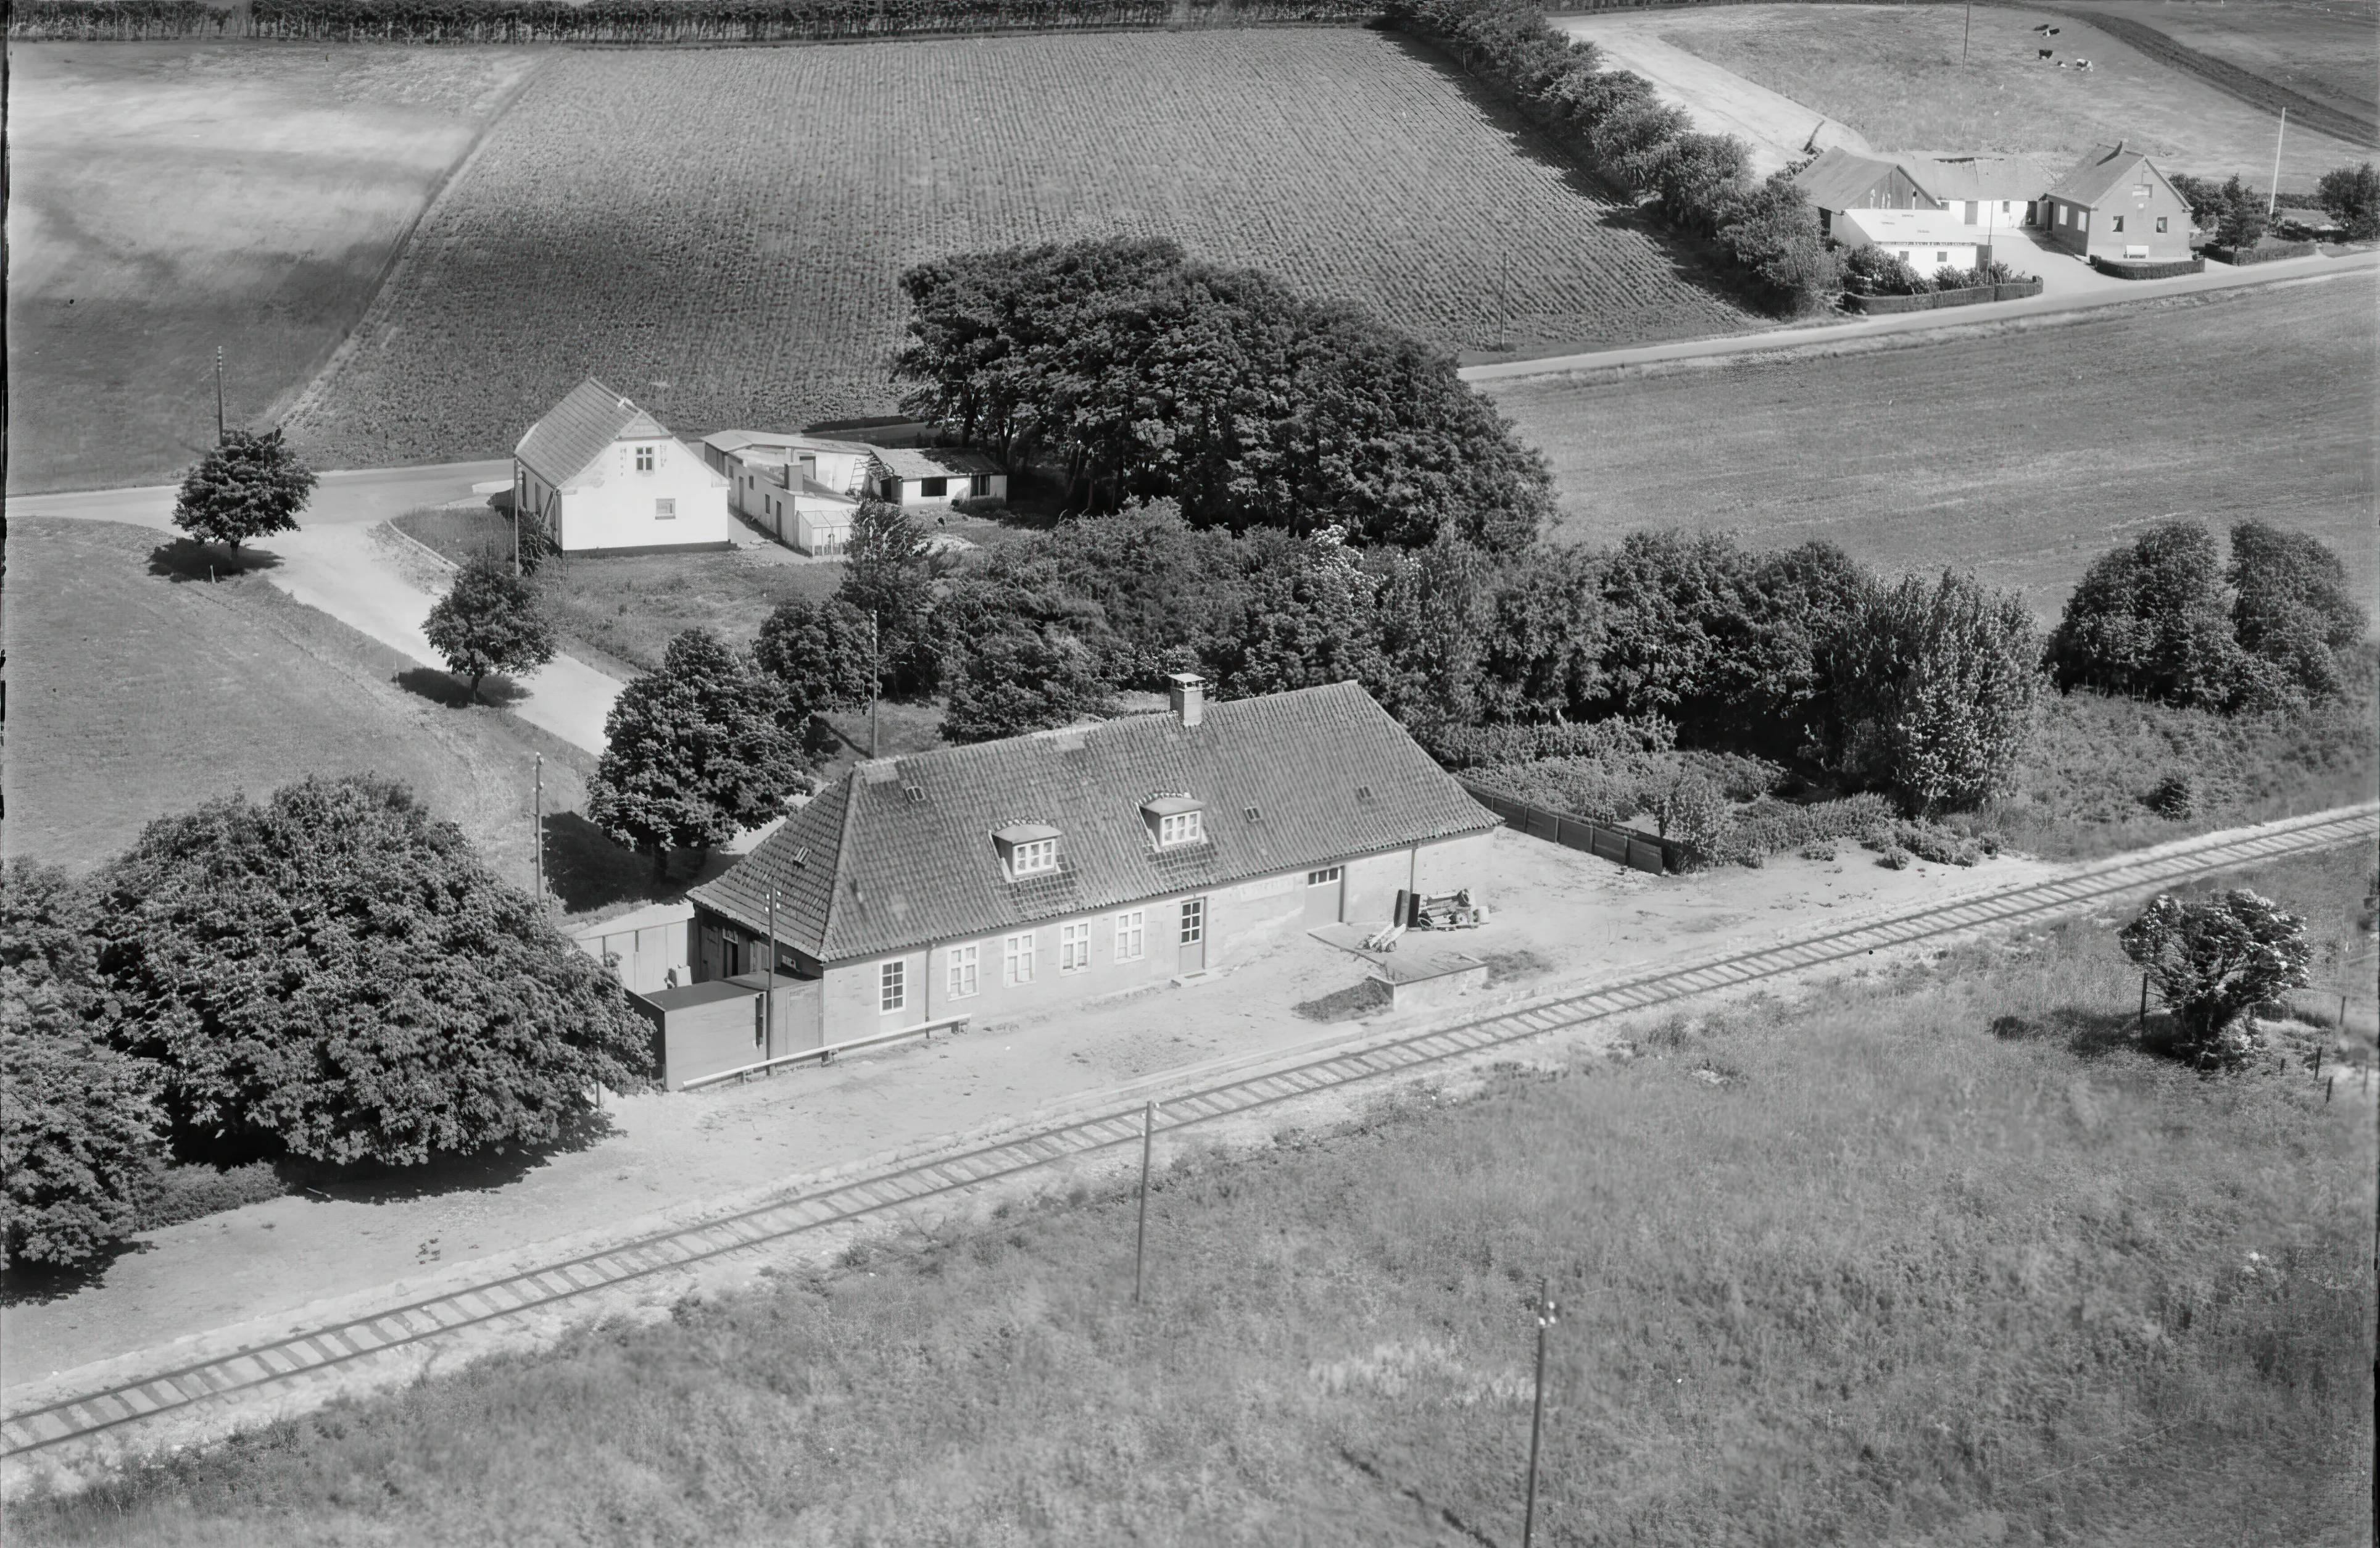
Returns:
(842,849)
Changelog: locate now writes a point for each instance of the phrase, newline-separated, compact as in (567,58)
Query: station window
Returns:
(965,963)
(1017,959)
(1074,947)
(1131,934)
(892,986)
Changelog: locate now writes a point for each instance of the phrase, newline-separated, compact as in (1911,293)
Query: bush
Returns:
(81,1132)
(2352,195)
(1949,276)
(335,974)
(178,1193)
(2216,960)
(1615,785)
(1768,826)
(1871,271)
(2293,614)
(2147,620)
(1896,858)
(2173,797)
(1929,842)
(1489,748)
(1823,851)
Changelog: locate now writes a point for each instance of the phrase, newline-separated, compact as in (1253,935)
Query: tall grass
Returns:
(1861,1272)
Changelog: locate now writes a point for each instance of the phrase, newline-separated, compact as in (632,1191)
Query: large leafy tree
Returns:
(490,620)
(1309,619)
(81,1135)
(1022,679)
(333,974)
(2240,219)
(693,752)
(888,579)
(2214,961)
(2352,195)
(2147,621)
(251,485)
(820,656)
(2293,611)
(1935,689)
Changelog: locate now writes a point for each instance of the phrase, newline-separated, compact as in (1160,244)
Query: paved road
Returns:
(2053,300)
(79,1423)
(333,563)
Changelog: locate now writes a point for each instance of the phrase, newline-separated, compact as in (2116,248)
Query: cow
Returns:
(2081,64)
(2043,28)
(2048,53)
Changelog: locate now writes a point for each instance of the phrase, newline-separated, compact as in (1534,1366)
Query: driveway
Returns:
(382,588)
(1776,127)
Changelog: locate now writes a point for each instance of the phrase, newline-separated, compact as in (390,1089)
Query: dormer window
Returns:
(1174,821)
(1026,849)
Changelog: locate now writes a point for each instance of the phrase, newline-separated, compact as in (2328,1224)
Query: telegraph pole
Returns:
(1140,1235)
(875,684)
(769,984)
(1965,29)
(2273,197)
(219,398)
(1536,1415)
(537,821)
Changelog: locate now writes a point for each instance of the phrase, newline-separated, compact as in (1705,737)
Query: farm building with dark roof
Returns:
(1017,876)
(2115,203)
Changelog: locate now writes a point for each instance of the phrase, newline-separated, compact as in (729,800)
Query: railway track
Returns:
(254,1372)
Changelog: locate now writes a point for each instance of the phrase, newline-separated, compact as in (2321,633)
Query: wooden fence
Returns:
(1626,846)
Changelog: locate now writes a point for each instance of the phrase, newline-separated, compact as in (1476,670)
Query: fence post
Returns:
(2144,1001)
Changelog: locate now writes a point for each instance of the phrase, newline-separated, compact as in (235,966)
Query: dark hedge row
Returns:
(518,21)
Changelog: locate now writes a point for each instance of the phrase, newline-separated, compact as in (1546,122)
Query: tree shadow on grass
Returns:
(485,1172)
(2088,1034)
(185,559)
(39,1284)
(588,871)
(447,689)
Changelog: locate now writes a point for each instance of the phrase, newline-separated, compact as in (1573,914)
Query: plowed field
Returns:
(718,233)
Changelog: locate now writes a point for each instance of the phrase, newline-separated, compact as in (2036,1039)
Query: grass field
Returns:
(1893,73)
(166,199)
(137,691)
(2327,50)
(1943,1259)
(2020,453)
(754,283)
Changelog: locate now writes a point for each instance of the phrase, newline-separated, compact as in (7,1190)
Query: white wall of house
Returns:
(1063,962)
(641,493)
(914,493)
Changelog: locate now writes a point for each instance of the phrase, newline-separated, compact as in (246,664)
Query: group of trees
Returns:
(2238,214)
(1141,373)
(332,974)
(1613,120)
(2163,618)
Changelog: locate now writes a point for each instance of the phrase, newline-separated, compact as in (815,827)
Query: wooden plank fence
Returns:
(1627,846)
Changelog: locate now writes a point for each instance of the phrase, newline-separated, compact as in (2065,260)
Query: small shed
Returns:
(1926,239)
(727,1024)
(912,476)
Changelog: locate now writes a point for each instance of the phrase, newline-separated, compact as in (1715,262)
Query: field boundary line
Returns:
(146,1386)
(2236,81)
(303,400)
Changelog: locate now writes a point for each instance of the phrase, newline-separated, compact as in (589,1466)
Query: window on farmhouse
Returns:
(892,986)
(965,962)
(2119,223)
(1074,947)
(1017,959)
(2161,224)
(665,510)
(933,488)
(1131,934)
(644,459)
(1037,855)
(1941,258)
(1180,828)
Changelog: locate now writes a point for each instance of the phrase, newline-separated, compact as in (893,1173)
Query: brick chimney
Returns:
(1188,697)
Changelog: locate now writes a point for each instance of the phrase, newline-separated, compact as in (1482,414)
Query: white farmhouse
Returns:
(803,490)
(603,476)
(1926,239)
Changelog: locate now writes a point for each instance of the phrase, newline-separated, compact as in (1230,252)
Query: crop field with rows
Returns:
(719,233)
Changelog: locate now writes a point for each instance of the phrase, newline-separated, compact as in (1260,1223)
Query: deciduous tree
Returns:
(888,579)
(820,656)
(2352,194)
(2147,621)
(693,752)
(490,620)
(2214,961)
(2293,611)
(248,486)
(335,974)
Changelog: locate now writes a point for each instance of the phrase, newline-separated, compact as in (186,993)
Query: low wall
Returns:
(1640,851)
(1973,295)
(2263,252)
(2134,268)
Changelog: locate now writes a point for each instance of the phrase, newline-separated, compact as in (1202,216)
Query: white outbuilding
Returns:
(603,476)
(1926,239)
(803,490)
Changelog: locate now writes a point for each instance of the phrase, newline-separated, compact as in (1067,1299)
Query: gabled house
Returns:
(1840,180)
(802,489)
(2115,203)
(1011,877)
(602,475)
(1991,191)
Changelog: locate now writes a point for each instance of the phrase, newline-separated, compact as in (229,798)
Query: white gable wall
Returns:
(612,503)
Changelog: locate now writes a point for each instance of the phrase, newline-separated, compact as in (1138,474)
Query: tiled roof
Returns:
(2099,172)
(1956,175)
(576,430)
(1839,178)
(933,462)
(867,868)
(1887,226)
